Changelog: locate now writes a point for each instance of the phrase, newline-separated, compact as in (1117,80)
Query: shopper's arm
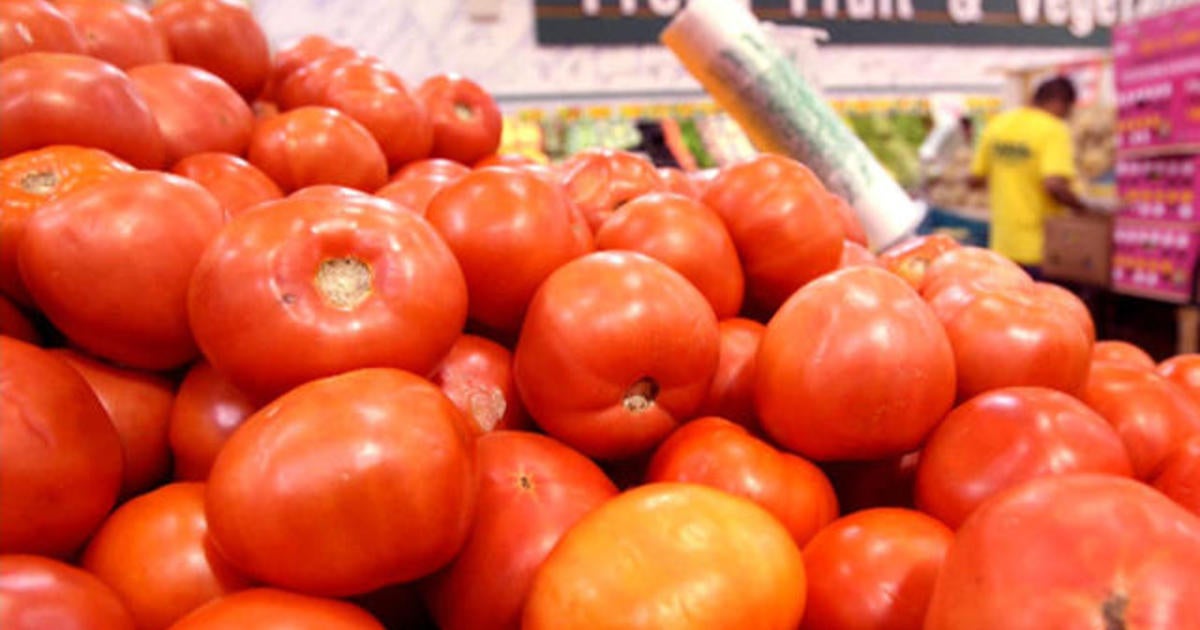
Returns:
(1060,189)
(977,182)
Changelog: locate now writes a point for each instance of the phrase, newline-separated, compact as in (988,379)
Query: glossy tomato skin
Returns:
(206,410)
(671,556)
(196,111)
(17,324)
(1070,303)
(688,237)
(60,457)
(1116,351)
(867,361)
(333,192)
(306,84)
(972,267)
(466,120)
(236,183)
(1179,476)
(731,395)
(678,182)
(38,593)
(120,33)
(1008,436)
(55,98)
(273,609)
(855,255)
(220,36)
(877,569)
(599,181)
(415,191)
(1072,551)
(630,347)
(36,26)
(509,230)
(153,551)
(120,292)
(345,485)
(293,55)
(336,284)
(378,99)
(294,149)
(720,454)
(435,167)
(1184,371)
(477,377)
(910,258)
(533,490)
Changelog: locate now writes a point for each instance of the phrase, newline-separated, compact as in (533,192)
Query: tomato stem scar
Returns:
(640,395)
(344,283)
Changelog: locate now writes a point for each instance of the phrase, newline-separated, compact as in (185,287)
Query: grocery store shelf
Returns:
(1162,151)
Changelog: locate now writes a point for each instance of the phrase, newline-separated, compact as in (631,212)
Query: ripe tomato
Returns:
(1184,371)
(688,237)
(331,192)
(220,36)
(867,361)
(1069,303)
(1179,476)
(855,255)
(60,457)
(38,593)
(432,167)
(678,182)
(877,569)
(972,267)
(1151,414)
(416,184)
(35,26)
(1072,551)
(292,56)
(785,231)
(122,244)
(466,121)
(16,323)
(196,111)
(118,32)
(271,609)
(532,490)
(477,377)
(508,245)
(306,84)
(29,181)
(910,259)
(852,228)
(205,413)
(515,160)
(334,285)
(295,149)
(154,552)
(731,395)
(720,454)
(599,181)
(1114,351)
(630,347)
(1005,437)
(379,100)
(53,98)
(862,485)
(383,494)
(236,183)
(671,556)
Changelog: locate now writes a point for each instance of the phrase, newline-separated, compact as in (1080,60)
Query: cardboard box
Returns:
(1078,249)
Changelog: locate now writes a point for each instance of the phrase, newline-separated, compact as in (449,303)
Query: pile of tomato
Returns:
(285,344)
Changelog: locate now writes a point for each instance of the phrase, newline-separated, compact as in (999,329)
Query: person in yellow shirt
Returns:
(1026,159)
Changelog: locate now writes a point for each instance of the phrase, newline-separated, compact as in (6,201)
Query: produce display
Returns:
(313,351)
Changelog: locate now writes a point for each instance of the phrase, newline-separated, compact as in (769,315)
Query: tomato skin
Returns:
(36,26)
(626,565)
(416,184)
(272,609)
(910,258)
(631,346)
(1114,351)
(877,569)
(973,267)
(60,457)
(466,120)
(688,237)
(96,291)
(1068,302)
(196,111)
(826,351)
(293,55)
(731,395)
(509,244)
(306,85)
(1072,551)
(599,181)
(432,167)
(378,99)
(1179,476)
(720,454)
(533,490)
(855,255)
(55,98)
(120,33)
(356,522)
(206,410)
(852,228)
(220,36)
(38,593)
(236,183)
(477,377)
(1184,371)
(1005,437)
(335,284)
(678,182)
(293,149)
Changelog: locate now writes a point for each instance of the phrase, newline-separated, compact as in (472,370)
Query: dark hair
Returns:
(1056,89)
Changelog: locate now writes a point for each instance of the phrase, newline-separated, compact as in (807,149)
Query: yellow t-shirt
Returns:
(1017,151)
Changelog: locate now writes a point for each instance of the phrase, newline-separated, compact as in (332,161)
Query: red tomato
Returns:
(35,26)
(236,183)
(630,347)
(720,454)
(671,556)
(60,457)
(1151,414)
(377,98)
(910,259)
(510,244)
(466,121)
(515,160)
(1114,351)
(16,324)
(1072,551)
(432,167)
(295,149)
(1006,437)
(139,406)
(206,410)
(477,377)
(121,33)
(688,237)
(1184,371)
(855,255)
(271,609)
(785,231)
(154,552)
(877,569)
(599,181)
(292,56)
(333,285)
(307,83)
(678,182)
(383,495)
(196,111)
(414,192)
(37,593)
(731,395)
(220,36)
(867,361)
(1068,302)
(1179,476)
(869,484)
(533,490)
(972,267)
(852,228)
(122,244)
(331,192)
(52,98)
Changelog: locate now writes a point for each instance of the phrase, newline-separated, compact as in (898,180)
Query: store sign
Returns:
(967,22)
